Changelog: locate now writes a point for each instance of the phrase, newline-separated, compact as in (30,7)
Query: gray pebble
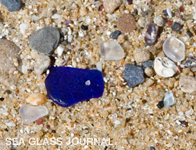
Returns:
(45,40)
(134,75)
(169,99)
(12,5)
(115,34)
(148,63)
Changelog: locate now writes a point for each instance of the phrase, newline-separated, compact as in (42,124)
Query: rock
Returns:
(60,50)
(134,75)
(12,5)
(149,71)
(161,54)
(164,67)
(160,104)
(126,23)
(36,99)
(121,39)
(190,62)
(148,63)
(10,61)
(152,34)
(158,20)
(187,84)
(174,49)
(23,27)
(45,40)
(176,26)
(115,34)
(111,50)
(111,5)
(99,66)
(67,86)
(169,99)
(141,55)
(30,114)
(84,27)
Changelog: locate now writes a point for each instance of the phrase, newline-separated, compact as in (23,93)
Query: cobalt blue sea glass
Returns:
(67,86)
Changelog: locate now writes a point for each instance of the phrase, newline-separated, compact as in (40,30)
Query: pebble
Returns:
(45,40)
(134,75)
(111,5)
(39,121)
(23,27)
(160,104)
(115,34)
(8,53)
(148,63)
(67,86)
(149,71)
(169,12)
(158,20)
(174,49)
(60,50)
(164,67)
(152,148)
(141,55)
(99,66)
(184,83)
(184,123)
(176,26)
(111,50)
(126,23)
(121,39)
(189,33)
(164,12)
(169,99)
(84,27)
(30,114)
(151,35)
(12,5)
(36,99)
(190,62)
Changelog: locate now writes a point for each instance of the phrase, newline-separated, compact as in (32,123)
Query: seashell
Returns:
(164,67)
(174,49)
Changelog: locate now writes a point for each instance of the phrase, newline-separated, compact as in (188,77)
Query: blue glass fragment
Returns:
(67,86)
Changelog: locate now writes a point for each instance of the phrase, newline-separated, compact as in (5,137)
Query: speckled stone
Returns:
(141,55)
(134,75)
(12,5)
(111,5)
(148,63)
(185,85)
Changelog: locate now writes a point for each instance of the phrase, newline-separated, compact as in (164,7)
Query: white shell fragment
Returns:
(169,99)
(164,67)
(111,50)
(174,49)
(30,114)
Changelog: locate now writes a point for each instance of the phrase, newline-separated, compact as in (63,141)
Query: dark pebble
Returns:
(6,129)
(115,26)
(145,12)
(151,34)
(130,1)
(190,34)
(164,12)
(148,63)
(84,27)
(115,34)
(12,5)
(1,99)
(53,131)
(190,62)
(128,119)
(144,101)
(134,75)
(8,91)
(184,123)
(160,104)
(152,148)
(176,26)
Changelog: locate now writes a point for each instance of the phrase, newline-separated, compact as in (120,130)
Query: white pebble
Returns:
(60,50)
(81,33)
(56,16)
(11,124)
(99,66)
(169,12)
(23,27)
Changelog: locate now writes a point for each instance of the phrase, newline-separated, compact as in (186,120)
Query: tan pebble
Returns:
(149,71)
(36,99)
(176,84)
(141,55)
(111,5)
(161,54)
(186,71)
(191,74)
(121,39)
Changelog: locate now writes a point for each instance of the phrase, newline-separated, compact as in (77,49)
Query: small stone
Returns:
(185,85)
(45,40)
(141,55)
(60,50)
(160,104)
(134,75)
(158,20)
(164,12)
(121,39)
(1,99)
(11,124)
(36,99)
(126,23)
(130,1)
(39,121)
(151,34)
(190,62)
(115,34)
(161,54)
(152,148)
(174,49)
(145,13)
(169,12)
(189,33)
(111,5)
(149,71)
(111,50)
(84,27)
(23,27)
(164,67)
(184,123)
(176,26)
(10,61)
(99,66)
(30,114)
(67,86)
(12,5)
(148,63)
(169,99)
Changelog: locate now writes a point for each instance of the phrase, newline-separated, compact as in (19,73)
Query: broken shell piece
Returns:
(36,99)
(174,49)
(164,67)
(30,114)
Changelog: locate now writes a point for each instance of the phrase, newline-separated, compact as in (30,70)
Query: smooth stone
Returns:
(169,99)
(111,5)
(67,86)
(115,34)
(36,99)
(158,20)
(187,84)
(176,26)
(111,50)
(30,114)
(148,63)
(45,40)
(8,52)
(134,75)
(174,49)
(149,71)
(141,55)
(164,67)
(12,5)
(190,62)
(152,34)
